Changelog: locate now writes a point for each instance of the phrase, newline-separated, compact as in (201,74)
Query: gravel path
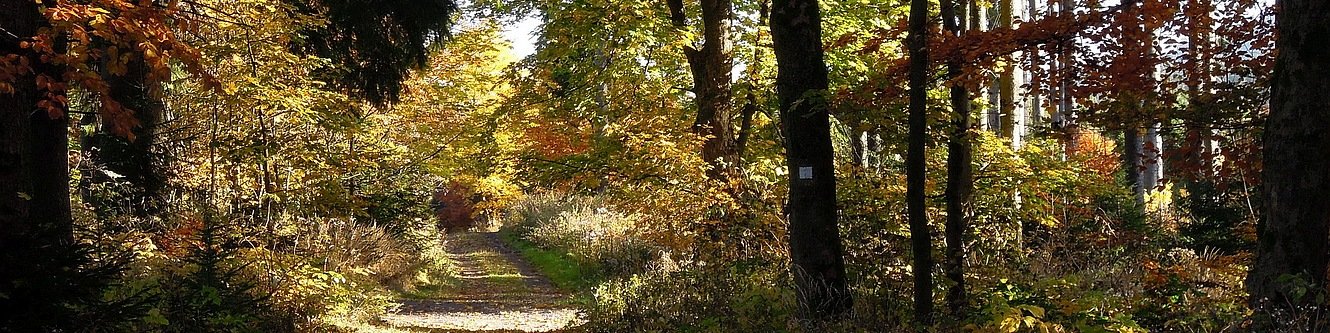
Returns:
(498,291)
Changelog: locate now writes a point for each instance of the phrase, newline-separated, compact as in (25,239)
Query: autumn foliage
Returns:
(296,200)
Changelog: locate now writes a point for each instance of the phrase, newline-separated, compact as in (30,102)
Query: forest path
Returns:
(497,291)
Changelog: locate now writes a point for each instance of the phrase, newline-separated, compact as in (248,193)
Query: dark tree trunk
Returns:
(746,126)
(711,67)
(139,166)
(1295,181)
(915,176)
(34,173)
(131,158)
(1131,161)
(714,107)
(801,83)
(960,179)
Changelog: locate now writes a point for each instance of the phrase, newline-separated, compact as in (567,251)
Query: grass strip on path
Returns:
(559,267)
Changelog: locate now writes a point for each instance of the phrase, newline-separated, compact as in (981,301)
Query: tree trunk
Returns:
(1151,158)
(801,83)
(915,163)
(1199,55)
(745,126)
(873,147)
(711,67)
(1296,176)
(715,108)
(131,158)
(960,182)
(34,144)
(1138,40)
(858,147)
(1007,81)
(1131,161)
(1033,97)
(1062,118)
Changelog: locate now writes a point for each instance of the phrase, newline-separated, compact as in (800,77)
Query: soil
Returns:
(496,291)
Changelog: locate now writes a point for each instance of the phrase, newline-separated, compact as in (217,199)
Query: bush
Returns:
(693,299)
(455,206)
(46,287)
(205,276)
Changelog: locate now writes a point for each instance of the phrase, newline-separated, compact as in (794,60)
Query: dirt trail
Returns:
(498,291)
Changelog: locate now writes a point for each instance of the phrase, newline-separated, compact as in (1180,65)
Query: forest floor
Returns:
(496,291)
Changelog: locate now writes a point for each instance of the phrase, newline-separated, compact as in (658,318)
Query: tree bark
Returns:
(801,84)
(1199,55)
(1007,81)
(1151,158)
(1296,176)
(1036,105)
(1131,161)
(960,180)
(34,160)
(710,67)
(746,126)
(1063,119)
(915,163)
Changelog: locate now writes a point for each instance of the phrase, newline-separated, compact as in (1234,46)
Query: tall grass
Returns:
(589,232)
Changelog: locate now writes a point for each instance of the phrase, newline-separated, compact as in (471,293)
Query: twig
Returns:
(10,34)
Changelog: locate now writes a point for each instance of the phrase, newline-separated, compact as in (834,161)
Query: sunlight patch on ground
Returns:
(526,320)
(494,290)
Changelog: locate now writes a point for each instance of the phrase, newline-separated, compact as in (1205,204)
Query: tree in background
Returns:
(710,67)
(124,174)
(374,45)
(801,83)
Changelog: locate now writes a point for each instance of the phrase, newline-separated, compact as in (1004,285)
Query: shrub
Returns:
(594,235)
(455,206)
(48,287)
(399,255)
(692,299)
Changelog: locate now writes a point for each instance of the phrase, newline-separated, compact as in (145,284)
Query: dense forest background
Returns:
(699,166)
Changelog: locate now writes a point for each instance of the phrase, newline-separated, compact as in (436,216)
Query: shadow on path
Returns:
(497,291)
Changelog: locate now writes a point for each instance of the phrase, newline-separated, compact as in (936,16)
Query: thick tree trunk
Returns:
(1295,181)
(715,108)
(34,172)
(960,180)
(801,83)
(140,166)
(915,163)
(1138,39)
(711,67)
